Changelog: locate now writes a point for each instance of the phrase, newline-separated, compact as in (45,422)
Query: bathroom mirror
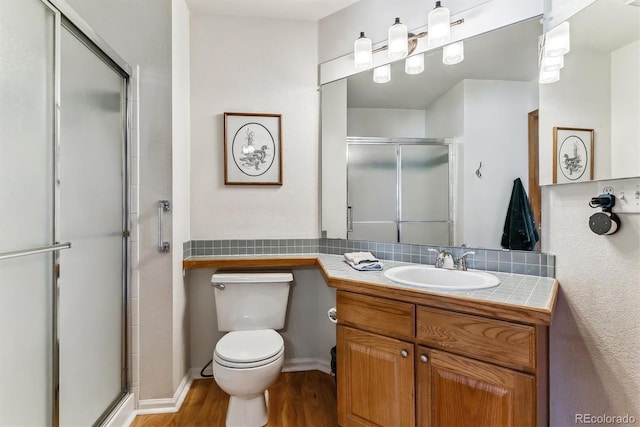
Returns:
(478,108)
(599,89)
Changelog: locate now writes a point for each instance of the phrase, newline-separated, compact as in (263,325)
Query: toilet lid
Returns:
(249,346)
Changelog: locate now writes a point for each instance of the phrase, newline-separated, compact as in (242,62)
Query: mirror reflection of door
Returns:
(398,192)
(535,197)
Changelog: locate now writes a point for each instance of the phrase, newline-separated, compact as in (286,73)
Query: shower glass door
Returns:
(91,214)
(27,82)
(63,178)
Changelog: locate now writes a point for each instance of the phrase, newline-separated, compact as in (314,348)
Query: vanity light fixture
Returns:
(414,64)
(382,74)
(401,43)
(453,53)
(558,40)
(398,40)
(362,53)
(438,25)
(552,63)
(547,77)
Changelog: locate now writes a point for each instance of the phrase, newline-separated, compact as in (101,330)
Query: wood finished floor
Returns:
(297,399)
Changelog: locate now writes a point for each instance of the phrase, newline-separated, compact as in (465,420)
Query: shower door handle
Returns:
(33,251)
(163,206)
(349,219)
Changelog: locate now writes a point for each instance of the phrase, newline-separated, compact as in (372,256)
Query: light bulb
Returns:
(552,63)
(382,74)
(414,64)
(558,40)
(453,53)
(398,40)
(547,77)
(362,53)
(438,26)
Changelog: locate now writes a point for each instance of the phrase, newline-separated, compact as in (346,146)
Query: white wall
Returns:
(308,333)
(496,134)
(334,159)
(180,109)
(625,111)
(444,118)
(385,122)
(262,66)
(595,339)
(581,99)
(140,32)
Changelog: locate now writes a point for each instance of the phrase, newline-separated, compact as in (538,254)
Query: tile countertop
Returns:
(527,299)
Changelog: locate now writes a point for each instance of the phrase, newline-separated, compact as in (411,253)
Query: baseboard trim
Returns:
(291,365)
(124,414)
(307,364)
(166,406)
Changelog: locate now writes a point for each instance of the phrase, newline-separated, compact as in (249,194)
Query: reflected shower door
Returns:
(424,207)
(27,30)
(92,178)
(372,187)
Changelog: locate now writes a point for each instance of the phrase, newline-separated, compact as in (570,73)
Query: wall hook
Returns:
(478,173)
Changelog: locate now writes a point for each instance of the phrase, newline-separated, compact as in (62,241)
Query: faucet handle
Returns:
(462,260)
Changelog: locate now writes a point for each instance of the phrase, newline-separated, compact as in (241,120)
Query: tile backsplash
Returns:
(517,262)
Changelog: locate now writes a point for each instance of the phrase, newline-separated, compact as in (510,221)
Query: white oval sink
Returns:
(440,278)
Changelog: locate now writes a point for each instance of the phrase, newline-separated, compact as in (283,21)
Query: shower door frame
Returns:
(66,17)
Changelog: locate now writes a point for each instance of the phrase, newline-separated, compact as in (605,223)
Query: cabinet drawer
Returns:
(374,314)
(495,341)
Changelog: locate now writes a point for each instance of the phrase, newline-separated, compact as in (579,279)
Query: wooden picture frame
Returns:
(252,149)
(572,155)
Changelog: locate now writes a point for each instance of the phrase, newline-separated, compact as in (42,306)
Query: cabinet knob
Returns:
(424,358)
(404,353)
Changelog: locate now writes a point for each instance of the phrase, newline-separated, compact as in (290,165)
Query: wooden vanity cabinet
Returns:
(454,390)
(402,364)
(375,380)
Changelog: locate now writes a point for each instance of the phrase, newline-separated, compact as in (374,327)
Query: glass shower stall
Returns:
(63,218)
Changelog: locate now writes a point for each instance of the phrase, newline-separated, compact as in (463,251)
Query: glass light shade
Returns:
(382,74)
(362,53)
(547,77)
(453,53)
(398,40)
(552,63)
(414,64)
(438,26)
(558,40)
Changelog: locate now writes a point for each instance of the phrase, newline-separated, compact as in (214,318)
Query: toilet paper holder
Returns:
(332,314)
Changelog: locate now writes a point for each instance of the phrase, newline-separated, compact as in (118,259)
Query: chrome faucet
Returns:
(445,259)
(461,264)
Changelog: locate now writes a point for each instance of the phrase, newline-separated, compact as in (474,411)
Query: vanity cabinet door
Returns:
(375,380)
(458,391)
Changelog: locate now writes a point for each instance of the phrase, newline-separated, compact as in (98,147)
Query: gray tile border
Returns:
(496,260)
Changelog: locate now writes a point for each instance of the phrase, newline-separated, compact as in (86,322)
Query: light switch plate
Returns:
(627,192)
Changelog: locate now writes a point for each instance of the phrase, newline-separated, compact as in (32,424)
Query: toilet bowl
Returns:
(245,364)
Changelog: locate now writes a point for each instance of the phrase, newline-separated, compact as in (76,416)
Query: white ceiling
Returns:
(311,10)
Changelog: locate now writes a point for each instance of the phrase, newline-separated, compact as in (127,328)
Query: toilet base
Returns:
(251,412)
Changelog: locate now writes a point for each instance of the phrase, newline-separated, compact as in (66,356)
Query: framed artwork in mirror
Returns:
(572,155)
(252,149)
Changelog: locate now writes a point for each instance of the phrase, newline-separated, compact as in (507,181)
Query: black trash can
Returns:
(334,371)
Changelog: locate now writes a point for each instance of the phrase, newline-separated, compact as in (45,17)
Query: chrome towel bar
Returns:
(33,251)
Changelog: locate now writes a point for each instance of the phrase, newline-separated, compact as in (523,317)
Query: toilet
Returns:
(249,357)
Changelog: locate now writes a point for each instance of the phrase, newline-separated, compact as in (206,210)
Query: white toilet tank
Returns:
(247,301)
